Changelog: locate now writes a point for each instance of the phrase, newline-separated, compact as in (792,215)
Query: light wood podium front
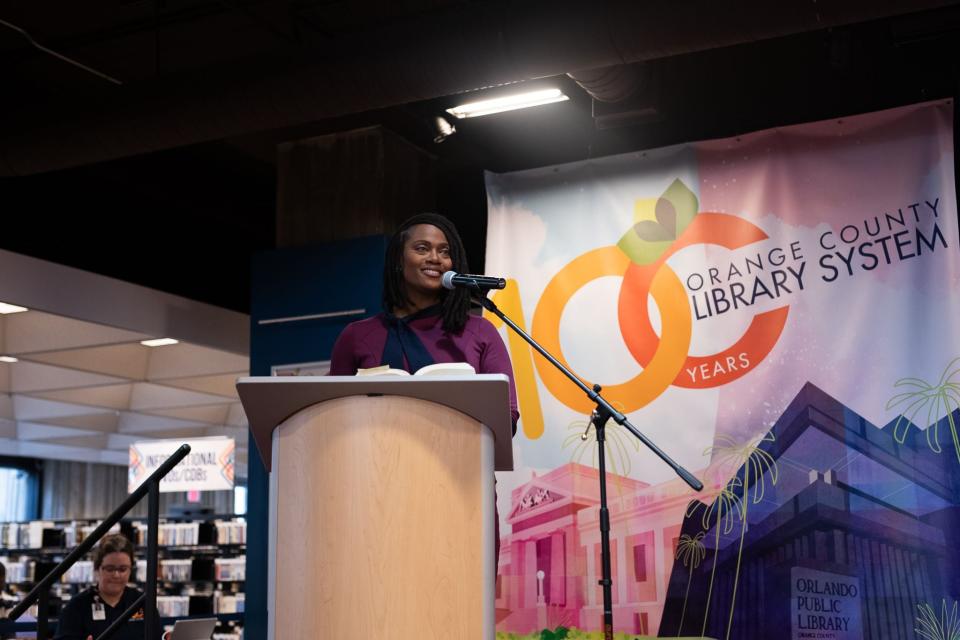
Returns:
(382,519)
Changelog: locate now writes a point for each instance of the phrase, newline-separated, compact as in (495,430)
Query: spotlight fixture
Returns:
(158,342)
(9,359)
(443,128)
(508,103)
(11,308)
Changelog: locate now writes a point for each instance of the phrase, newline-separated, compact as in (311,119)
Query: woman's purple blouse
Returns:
(360,346)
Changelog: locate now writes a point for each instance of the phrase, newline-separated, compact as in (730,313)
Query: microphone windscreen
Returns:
(447,280)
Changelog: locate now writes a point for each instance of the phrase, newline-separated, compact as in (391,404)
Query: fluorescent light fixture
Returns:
(11,308)
(158,342)
(508,103)
(8,359)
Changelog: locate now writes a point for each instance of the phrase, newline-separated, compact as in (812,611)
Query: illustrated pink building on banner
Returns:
(550,561)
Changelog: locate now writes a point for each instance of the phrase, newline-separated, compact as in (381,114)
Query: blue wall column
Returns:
(293,283)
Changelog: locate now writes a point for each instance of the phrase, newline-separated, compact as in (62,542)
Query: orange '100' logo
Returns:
(665,359)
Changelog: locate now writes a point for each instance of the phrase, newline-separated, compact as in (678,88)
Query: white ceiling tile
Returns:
(123,441)
(8,429)
(175,436)
(26,377)
(123,360)
(114,396)
(213,414)
(29,408)
(96,441)
(238,434)
(148,396)
(222,384)
(38,431)
(37,331)
(140,423)
(182,360)
(106,422)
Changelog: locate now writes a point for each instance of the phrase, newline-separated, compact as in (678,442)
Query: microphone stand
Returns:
(598,419)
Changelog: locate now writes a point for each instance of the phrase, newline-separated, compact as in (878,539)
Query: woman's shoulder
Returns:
(130,594)
(82,598)
(480,328)
(360,328)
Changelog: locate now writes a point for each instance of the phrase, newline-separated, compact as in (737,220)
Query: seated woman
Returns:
(90,612)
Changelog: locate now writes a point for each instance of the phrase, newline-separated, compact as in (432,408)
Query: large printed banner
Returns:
(780,312)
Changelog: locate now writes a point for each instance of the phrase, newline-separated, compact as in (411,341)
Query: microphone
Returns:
(452,280)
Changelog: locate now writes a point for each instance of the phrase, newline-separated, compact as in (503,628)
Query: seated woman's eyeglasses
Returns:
(117,570)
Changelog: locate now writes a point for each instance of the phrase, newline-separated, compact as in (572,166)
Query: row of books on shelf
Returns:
(186,605)
(194,533)
(198,569)
(26,569)
(40,534)
(17,570)
(231,531)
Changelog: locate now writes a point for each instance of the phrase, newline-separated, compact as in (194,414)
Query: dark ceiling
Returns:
(125,180)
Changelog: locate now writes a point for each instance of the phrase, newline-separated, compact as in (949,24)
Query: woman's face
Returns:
(426,257)
(113,574)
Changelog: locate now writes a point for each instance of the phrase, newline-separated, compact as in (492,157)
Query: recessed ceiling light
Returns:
(8,359)
(508,103)
(158,342)
(11,308)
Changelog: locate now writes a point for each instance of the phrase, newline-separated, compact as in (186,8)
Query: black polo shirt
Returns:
(76,619)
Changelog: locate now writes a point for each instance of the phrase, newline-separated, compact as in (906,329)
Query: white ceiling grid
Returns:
(82,390)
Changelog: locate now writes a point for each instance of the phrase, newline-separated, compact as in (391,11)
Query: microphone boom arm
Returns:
(603,407)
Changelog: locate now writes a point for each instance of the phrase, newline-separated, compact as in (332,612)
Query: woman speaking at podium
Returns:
(422,323)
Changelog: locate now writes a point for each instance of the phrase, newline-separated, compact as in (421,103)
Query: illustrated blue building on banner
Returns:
(856,532)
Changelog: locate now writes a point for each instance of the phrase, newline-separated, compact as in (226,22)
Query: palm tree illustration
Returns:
(931,627)
(944,396)
(757,464)
(691,552)
(615,443)
(721,510)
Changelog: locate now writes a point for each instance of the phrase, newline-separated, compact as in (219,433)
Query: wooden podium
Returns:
(381,502)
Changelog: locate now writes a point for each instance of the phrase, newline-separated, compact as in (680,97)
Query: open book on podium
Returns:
(436,369)
(382,502)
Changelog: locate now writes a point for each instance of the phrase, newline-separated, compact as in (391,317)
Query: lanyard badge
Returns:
(97,611)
